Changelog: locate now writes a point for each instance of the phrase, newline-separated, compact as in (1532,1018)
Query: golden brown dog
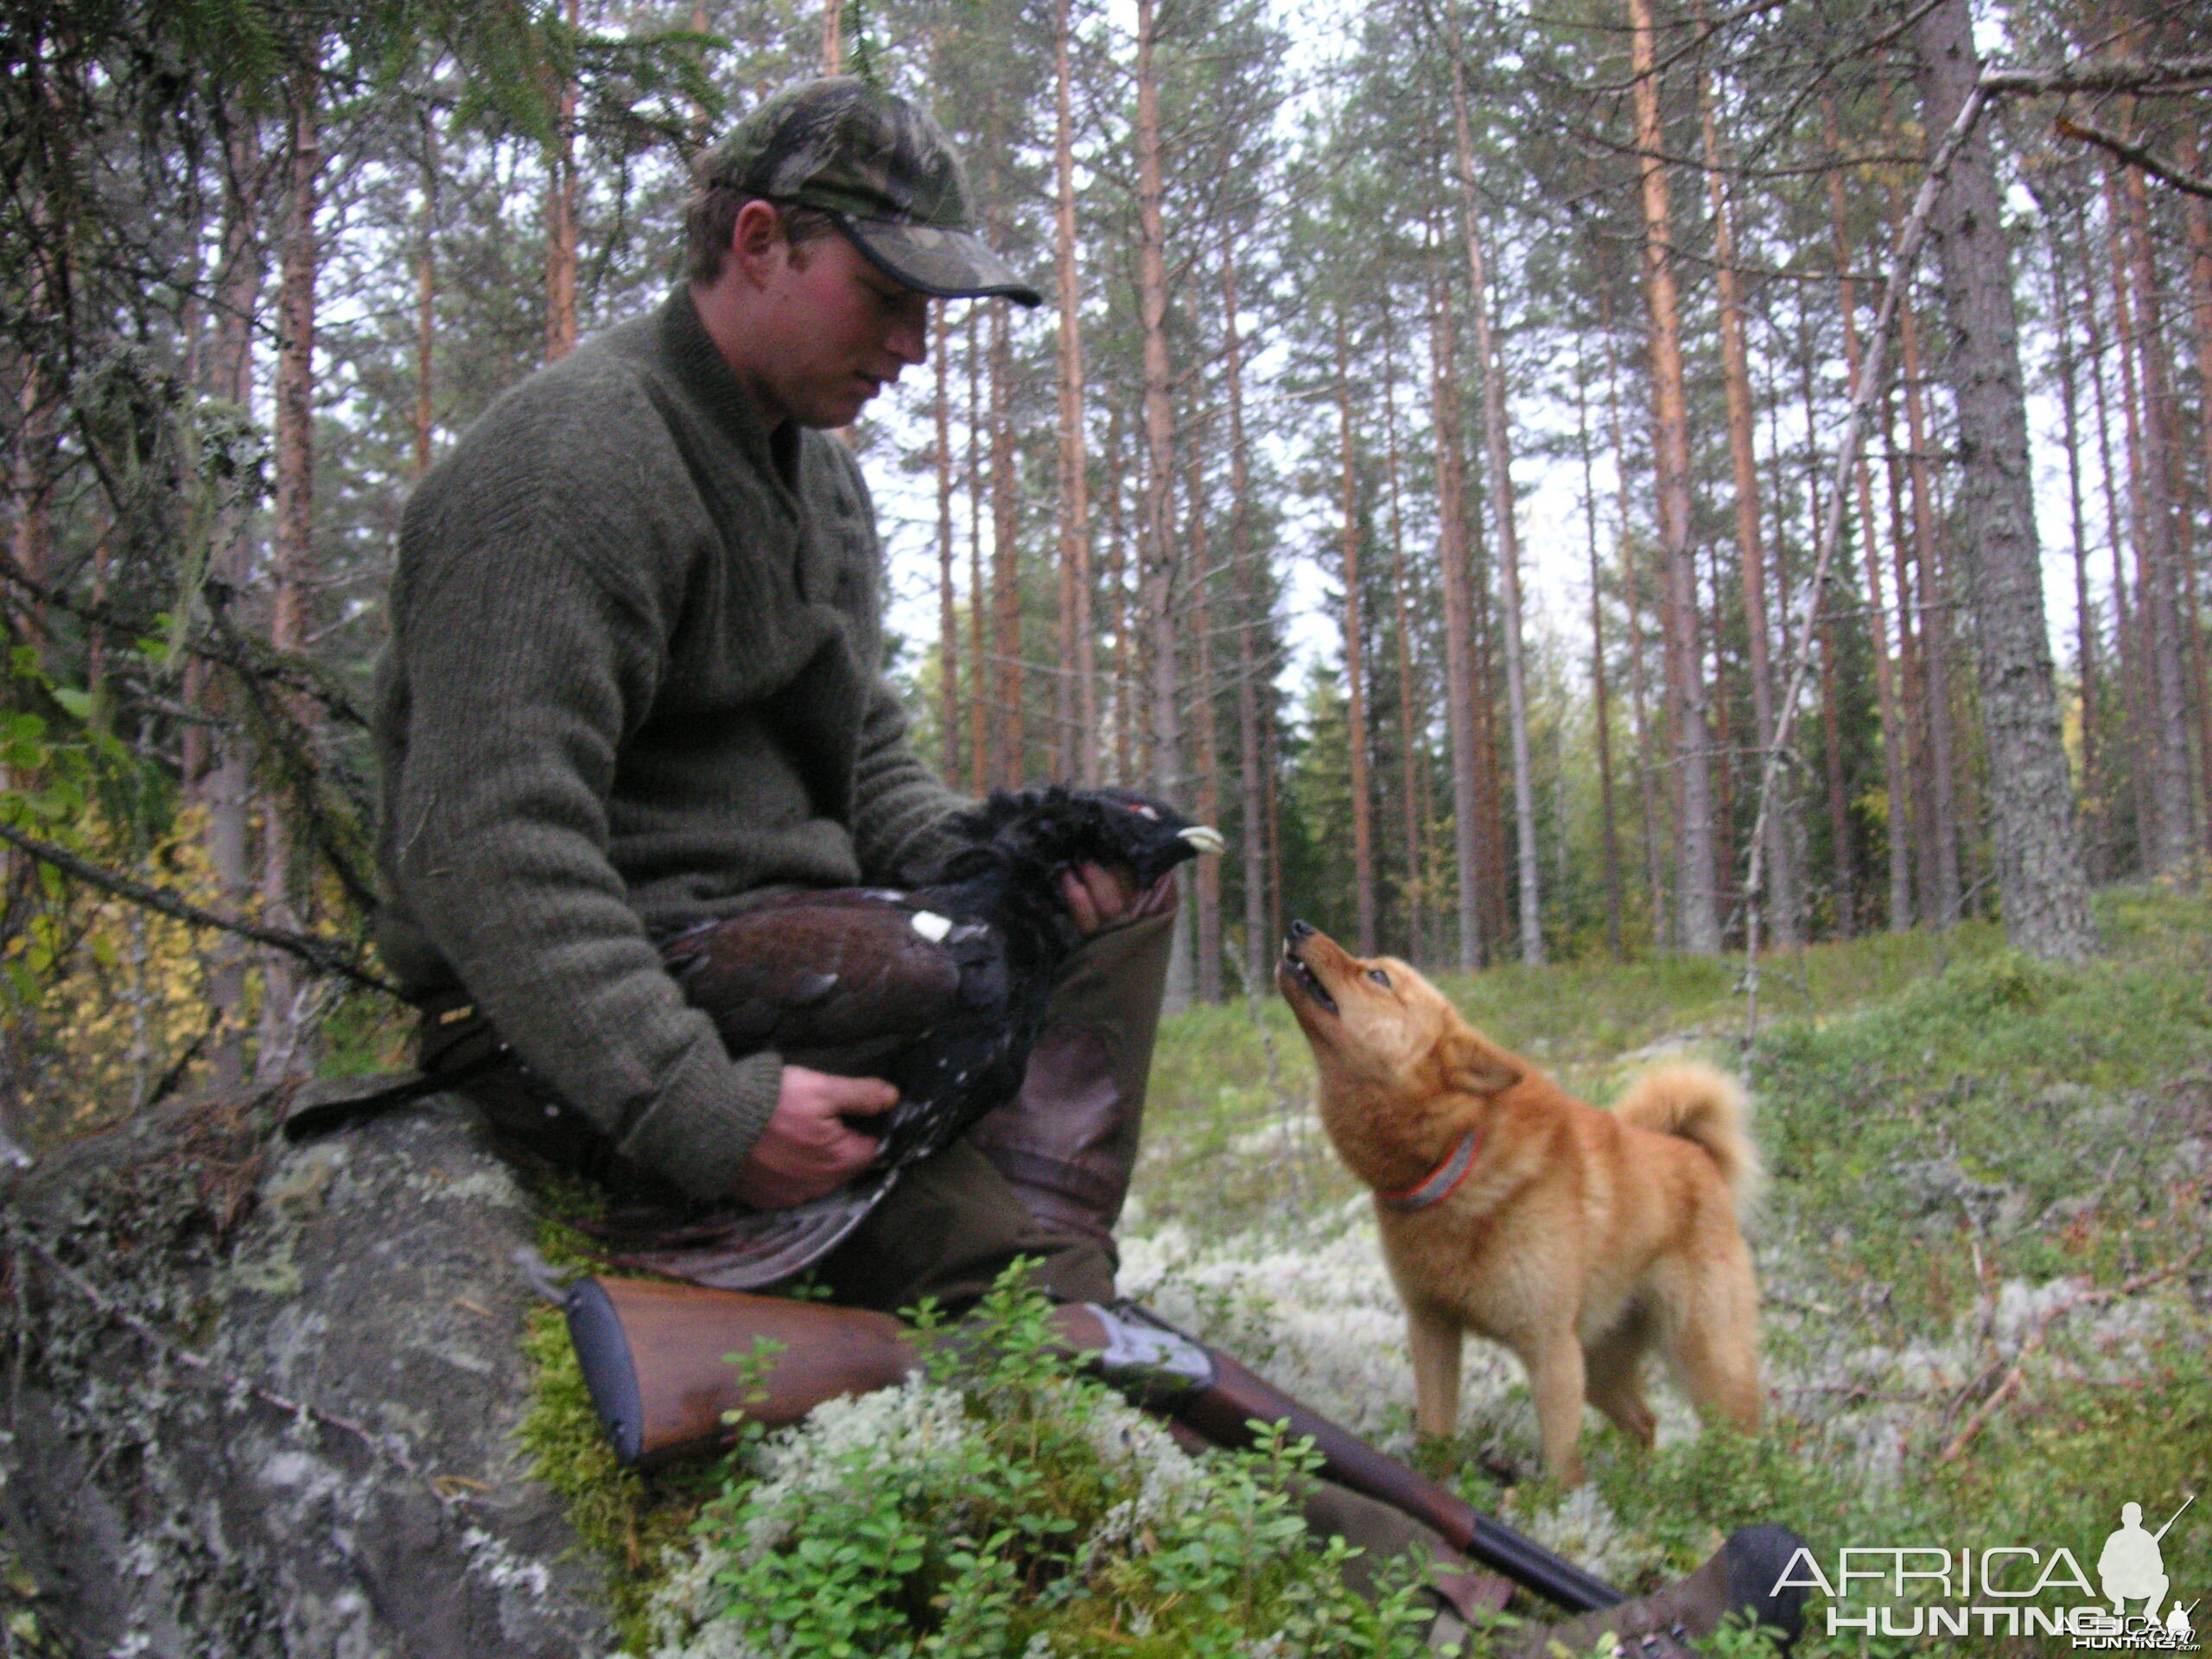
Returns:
(1576,1237)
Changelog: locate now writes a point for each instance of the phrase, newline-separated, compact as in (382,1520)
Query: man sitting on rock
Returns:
(634,684)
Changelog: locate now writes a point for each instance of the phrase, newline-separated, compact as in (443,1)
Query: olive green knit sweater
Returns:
(634,676)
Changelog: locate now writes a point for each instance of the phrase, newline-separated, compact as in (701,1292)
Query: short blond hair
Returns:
(710,217)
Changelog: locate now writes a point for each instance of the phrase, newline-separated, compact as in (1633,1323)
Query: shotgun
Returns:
(656,1358)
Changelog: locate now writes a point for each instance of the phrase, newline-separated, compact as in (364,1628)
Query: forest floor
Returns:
(1984,1252)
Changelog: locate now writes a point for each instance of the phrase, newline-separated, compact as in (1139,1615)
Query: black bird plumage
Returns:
(939,989)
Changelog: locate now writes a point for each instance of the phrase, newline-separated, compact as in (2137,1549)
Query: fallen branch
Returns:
(2110,74)
(2013,1381)
(1871,381)
(2015,1378)
(2136,155)
(2104,75)
(326,954)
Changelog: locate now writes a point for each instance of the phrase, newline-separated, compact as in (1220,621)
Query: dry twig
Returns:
(324,953)
(2015,1378)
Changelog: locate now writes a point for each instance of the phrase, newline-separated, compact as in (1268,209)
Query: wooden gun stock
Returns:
(656,1358)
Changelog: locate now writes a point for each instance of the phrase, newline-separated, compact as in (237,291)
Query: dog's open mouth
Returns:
(1307,979)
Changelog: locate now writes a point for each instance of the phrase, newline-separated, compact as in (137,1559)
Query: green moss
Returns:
(630,1522)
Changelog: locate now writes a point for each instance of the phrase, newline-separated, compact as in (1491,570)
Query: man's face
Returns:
(838,330)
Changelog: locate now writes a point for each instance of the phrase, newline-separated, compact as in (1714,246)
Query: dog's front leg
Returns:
(1435,1339)
(1555,1363)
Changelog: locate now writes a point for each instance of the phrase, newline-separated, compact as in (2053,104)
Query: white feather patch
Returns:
(931,926)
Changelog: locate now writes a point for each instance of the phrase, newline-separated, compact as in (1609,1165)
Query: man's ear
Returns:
(754,236)
(1472,1065)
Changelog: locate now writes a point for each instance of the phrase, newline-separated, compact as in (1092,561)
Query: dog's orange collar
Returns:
(1440,1183)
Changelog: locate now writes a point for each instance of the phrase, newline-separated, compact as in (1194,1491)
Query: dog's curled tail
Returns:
(1698,1103)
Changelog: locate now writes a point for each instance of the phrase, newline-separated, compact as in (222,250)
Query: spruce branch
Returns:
(324,954)
(241,654)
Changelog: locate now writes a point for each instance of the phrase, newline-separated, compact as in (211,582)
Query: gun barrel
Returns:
(1239,1397)
(2161,1532)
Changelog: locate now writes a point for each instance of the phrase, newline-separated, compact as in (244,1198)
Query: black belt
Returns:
(459,1051)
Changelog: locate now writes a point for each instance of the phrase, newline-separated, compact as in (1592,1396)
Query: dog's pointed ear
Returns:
(1472,1064)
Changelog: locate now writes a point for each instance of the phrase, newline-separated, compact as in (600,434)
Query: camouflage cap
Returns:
(882,170)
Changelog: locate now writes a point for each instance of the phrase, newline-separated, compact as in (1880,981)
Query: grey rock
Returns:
(1934,1185)
(261,1400)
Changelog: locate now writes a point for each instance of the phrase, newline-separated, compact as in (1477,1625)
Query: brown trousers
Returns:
(1046,1175)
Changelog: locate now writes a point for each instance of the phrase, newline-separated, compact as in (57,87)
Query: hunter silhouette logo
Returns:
(2132,1565)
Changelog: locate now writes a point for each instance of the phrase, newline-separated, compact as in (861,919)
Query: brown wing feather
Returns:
(840,979)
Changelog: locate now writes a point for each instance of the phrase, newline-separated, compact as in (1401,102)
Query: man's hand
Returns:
(1098,895)
(808,1150)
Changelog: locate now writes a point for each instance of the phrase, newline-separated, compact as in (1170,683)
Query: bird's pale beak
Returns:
(1205,837)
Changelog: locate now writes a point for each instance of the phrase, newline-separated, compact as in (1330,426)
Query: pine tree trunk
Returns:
(2041,885)
(1778,865)
(2118,543)
(833,37)
(2084,616)
(2173,844)
(1496,445)
(1843,868)
(1895,773)
(1655,868)
(2133,622)
(30,539)
(1011,722)
(1411,788)
(1271,772)
(1697,843)
(1943,817)
(979,604)
(1458,670)
(426,302)
(2197,218)
(948,609)
(225,788)
(28,543)
(290,551)
(1723,735)
(1259,941)
(1078,678)
(1789,804)
(561,222)
(1489,797)
(1156,540)
(1911,677)
(1363,812)
(1600,700)
(1205,875)
(1127,702)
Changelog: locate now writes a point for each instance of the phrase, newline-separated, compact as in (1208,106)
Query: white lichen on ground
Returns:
(928,1433)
